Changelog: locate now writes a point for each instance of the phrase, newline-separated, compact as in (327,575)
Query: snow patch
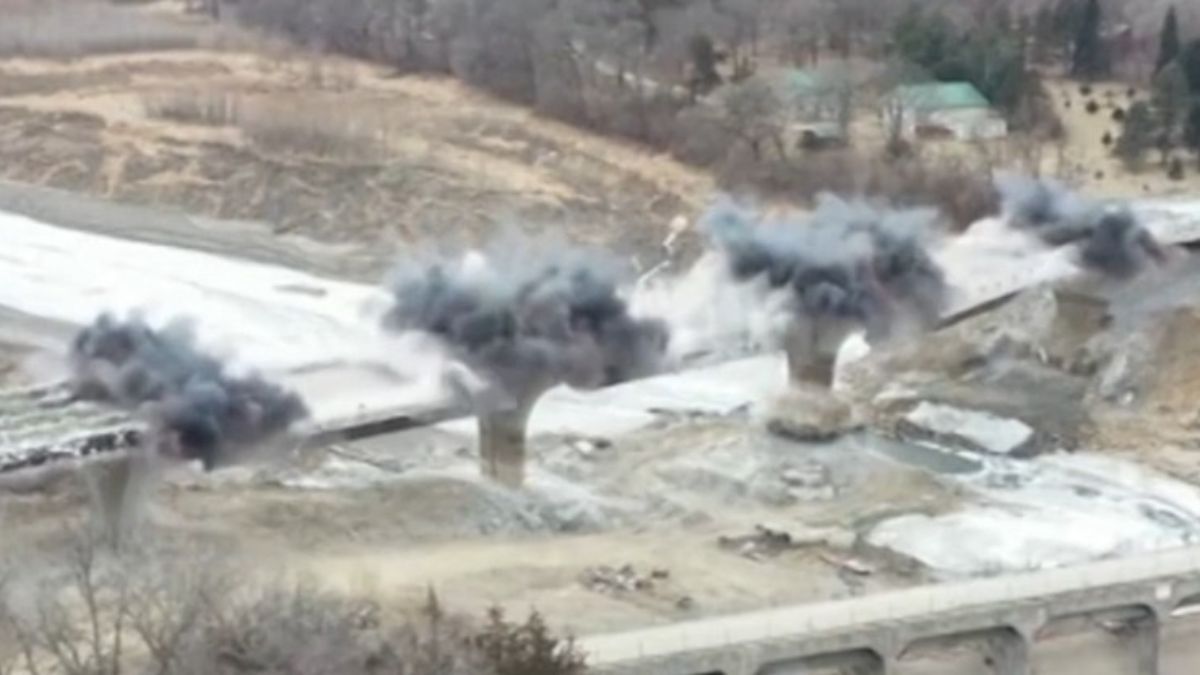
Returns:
(974,429)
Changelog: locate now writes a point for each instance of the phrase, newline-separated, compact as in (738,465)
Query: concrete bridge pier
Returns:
(117,491)
(1009,653)
(812,351)
(502,442)
(1143,639)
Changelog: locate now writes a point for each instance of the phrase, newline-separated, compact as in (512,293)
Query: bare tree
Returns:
(185,613)
(754,113)
(496,48)
(742,33)
(49,631)
(851,23)
(796,24)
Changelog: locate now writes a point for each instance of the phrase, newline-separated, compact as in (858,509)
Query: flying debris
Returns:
(194,408)
(1109,238)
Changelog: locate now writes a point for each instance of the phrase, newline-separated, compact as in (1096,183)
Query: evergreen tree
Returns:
(991,58)
(1136,137)
(1191,131)
(1067,16)
(1168,40)
(1045,34)
(926,39)
(1170,99)
(704,65)
(1090,58)
(1189,61)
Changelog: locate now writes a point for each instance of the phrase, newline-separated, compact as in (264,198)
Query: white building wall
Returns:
(971,123)
(965,124)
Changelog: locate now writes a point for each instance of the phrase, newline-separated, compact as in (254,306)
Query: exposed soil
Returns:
(428,159)
(661,499)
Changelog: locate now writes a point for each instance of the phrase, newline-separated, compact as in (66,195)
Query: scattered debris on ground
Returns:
(768,541)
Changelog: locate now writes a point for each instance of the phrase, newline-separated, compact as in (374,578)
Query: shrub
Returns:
(1131,93)
(1085,90)
(1107,139)
(208,108)
(526,649)
(963,191)
(198,615)
(277,126)
(1118,114)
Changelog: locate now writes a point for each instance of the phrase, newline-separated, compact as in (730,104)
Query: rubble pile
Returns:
(626,581)
(809,415)
(1012,381)
(770,541)
(1147,390)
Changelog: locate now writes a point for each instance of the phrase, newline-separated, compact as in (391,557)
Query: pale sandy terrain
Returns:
(337,149)
(1086,161)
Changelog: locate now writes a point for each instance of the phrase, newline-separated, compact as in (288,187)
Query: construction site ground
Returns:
(658,523)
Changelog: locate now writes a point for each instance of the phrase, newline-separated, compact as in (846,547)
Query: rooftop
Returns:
(942,96)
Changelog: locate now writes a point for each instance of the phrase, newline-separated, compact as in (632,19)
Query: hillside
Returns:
(239,127)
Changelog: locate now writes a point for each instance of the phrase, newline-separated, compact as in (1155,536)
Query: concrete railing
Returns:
(915,603)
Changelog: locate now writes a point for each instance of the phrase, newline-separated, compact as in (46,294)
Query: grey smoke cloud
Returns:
(197,408)
(848,260)
(526,319)
(1108,236)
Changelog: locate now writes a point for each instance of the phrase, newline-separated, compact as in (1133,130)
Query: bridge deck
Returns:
(837,622)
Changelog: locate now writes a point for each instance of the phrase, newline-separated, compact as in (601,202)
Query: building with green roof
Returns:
(955,109)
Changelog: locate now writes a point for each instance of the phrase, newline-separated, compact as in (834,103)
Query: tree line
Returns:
(1170,120)
(684,75)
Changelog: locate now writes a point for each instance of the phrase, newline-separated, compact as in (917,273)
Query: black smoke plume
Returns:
(526,321)
(1109,238)
(198,410)
(847,261)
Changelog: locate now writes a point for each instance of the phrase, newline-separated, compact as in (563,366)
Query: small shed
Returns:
(954,109)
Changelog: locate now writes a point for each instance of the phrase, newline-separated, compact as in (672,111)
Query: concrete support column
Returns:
(117,490)
(1144,641)
(810,368)
(502,443)
(882,667)
(1009,654)
(812,351)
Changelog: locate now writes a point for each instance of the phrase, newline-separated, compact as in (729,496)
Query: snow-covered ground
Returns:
(1047,512)
(270,317)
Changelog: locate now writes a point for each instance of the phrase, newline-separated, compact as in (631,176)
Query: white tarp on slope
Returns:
(273,317)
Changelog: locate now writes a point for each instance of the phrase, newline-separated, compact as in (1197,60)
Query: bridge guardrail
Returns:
(830,616)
